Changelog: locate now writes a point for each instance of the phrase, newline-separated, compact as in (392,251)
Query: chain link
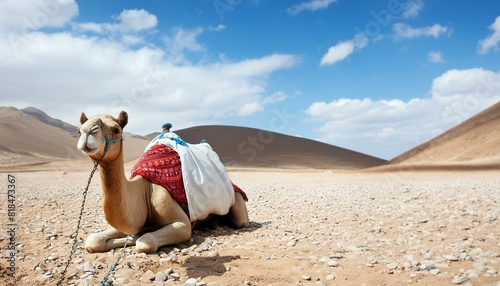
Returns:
(75,234)
(112,269)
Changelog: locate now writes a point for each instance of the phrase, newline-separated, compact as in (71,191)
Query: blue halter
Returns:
(109,141)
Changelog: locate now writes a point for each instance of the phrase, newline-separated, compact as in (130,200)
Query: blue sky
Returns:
(378,77)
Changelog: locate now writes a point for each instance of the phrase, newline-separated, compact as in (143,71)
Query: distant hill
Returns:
(31,137)
(27,140)
(42,116)
(249,147)
(474,143)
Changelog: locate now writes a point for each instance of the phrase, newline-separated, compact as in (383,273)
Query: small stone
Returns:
(306,277)
(434,271)
(491,271)
(190,282)
(175,275)
(213,254)
(332,263)
(86,275)
(392,266)
(337,255)
(160,277)
(142,255)
(78,260)
(87,267)
(451,257)
(459,279)
(330,277)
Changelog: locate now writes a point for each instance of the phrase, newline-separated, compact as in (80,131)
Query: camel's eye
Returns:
(116,130)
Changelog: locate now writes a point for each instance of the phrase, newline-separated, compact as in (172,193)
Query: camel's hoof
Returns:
(95,243)
(146,244)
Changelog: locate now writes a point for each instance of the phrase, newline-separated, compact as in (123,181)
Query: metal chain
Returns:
(112,269)
(75,234)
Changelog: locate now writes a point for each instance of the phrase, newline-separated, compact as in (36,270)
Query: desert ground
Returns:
(307,227)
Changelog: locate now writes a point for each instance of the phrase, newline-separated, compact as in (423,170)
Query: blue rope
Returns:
(177,139)
(109,141)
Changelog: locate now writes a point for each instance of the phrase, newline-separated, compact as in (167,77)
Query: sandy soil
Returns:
(307,228)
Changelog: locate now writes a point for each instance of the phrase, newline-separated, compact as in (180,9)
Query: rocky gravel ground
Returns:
(307,228)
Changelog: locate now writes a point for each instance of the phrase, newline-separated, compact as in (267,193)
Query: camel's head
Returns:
(101,132)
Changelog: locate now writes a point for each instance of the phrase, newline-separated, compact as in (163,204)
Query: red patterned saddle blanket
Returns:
(161,165)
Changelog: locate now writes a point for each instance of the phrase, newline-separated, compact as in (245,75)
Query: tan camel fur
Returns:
(136,207)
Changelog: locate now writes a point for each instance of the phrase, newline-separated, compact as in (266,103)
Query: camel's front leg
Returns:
(107,240)
(174,233)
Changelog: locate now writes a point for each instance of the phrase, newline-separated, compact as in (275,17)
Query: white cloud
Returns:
(219,28)
(183,40)
(275,97)
(403,31)
(250,108)
(128,21)
(264,65)
(390,127)
(65,73)
(343,49)
(435,57)
(412,8)
(311,5)
(136,20)
(491,42)
(31,15)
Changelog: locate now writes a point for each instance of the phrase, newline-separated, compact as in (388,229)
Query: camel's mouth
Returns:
(89,151)
(89,143)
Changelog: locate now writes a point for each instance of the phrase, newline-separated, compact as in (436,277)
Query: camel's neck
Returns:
(123,205)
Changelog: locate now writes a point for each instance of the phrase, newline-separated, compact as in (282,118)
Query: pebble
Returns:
(191,282)
(175,275)
(213,254)
(460,279)
(87,267)
(434,271)
(333,263)
(161,277)
(78,260)
(330,277)
(306,277)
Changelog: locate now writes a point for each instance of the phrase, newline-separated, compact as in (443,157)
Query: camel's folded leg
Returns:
(107,240)
(238,213)
(120,242)
(173,233)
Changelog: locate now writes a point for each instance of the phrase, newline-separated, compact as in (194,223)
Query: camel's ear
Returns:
(123,119)
(83,118)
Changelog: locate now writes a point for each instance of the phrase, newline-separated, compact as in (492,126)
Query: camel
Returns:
(136,206)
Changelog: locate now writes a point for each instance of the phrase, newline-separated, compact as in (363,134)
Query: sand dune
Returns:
(475,139)
(248,147)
